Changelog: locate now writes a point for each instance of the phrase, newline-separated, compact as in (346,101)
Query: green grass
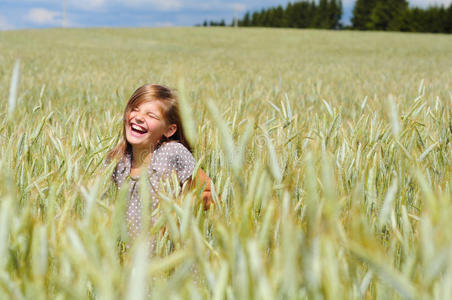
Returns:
(331,152)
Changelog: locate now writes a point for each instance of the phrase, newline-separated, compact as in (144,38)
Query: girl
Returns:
(154,140)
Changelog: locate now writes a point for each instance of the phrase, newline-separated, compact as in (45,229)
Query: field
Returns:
(330,152)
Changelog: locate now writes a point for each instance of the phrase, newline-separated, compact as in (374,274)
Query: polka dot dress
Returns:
(169,157)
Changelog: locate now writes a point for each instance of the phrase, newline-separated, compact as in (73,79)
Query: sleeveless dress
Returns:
(167,158)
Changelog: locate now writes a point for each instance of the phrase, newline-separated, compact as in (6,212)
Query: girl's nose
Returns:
(139,118)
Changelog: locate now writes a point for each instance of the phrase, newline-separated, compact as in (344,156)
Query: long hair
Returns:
(170,107)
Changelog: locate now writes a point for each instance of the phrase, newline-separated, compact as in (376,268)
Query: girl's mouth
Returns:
(135,128)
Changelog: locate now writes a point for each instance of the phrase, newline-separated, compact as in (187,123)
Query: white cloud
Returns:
(165,5)
(42,16)
(4,24)
(238,6)
(89,5)
(159,5)
(100,5)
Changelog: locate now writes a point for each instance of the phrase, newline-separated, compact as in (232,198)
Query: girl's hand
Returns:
(201,179)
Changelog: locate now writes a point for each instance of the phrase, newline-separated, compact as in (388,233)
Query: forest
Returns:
(383,15)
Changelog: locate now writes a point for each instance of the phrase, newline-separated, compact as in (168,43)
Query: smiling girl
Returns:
(154,141)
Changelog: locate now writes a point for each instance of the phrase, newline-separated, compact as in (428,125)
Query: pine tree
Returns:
(269,18)
(334,14)
(448,22)
(387,14)
(313,13)
(436,19)
(361,14)
(246,20)
(321,16)
(278,17)
(380,16)
(399,8)
(339,13)
(265,17)
(254,19)
(289,16)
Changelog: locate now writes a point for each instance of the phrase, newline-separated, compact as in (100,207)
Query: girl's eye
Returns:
(135,109)
(152,116)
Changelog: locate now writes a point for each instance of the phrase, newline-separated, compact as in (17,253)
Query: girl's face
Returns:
(146,125)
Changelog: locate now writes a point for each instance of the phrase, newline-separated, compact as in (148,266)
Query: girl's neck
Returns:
(141,157)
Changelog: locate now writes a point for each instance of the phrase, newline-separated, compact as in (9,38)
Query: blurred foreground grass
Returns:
(331,152)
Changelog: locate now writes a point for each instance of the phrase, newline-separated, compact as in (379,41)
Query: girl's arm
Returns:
(201,179)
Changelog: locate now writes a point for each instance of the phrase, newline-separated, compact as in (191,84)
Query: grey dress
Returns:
(169,157)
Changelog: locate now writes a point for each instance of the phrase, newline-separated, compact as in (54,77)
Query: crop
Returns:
(330,153)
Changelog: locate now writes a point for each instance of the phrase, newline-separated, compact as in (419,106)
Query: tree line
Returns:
(302,14)
(394,15)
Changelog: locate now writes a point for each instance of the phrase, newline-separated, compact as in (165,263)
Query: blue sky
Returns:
(17,14)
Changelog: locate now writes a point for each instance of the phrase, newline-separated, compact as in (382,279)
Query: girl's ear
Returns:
(170,130)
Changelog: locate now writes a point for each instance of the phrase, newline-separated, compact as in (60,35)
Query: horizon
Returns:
(29,14)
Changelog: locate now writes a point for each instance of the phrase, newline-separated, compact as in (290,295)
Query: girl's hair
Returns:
(170,108)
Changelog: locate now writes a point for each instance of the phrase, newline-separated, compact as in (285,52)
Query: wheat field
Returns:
(330,152)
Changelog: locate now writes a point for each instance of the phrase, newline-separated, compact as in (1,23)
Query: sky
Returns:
(20,14)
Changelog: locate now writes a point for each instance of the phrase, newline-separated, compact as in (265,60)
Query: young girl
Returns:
(154,140)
